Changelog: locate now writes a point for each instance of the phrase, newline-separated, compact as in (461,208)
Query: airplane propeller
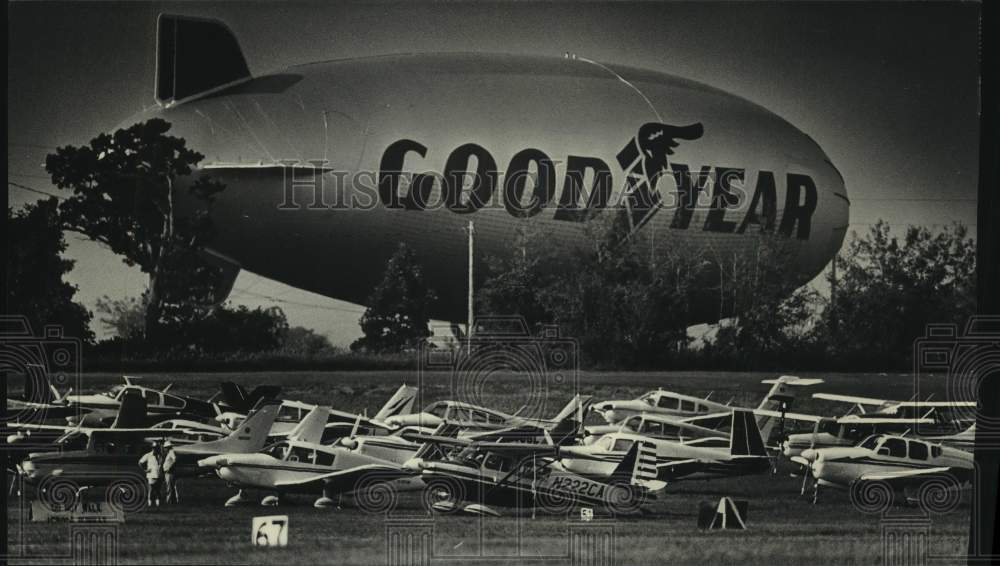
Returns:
(809,469)
(351,441)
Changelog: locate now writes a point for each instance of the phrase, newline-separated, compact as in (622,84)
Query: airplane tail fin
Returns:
(569,422)
(401,403)
(638,465)
(195,56)
(251,434)
(746,438)
(234,396)
(779,399)
(310,428)
(132,411)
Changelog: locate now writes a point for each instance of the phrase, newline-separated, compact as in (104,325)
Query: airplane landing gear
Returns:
(815,492)
(238,499)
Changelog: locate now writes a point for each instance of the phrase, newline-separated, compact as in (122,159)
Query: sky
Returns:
(889,90)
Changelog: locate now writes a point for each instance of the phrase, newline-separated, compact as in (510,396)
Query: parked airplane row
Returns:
(465,457)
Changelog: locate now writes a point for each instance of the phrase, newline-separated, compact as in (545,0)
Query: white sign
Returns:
(270,531)
(586,514)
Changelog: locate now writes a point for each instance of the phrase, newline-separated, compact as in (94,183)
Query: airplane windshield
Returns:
(870,442)
(114,391)
(278,450)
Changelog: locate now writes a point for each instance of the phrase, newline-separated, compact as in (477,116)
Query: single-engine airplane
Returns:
(904,464)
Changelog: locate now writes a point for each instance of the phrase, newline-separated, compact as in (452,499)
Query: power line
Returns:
(27,188)
(915,199)
(296,303)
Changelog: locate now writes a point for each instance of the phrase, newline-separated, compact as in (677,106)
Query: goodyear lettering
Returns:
(588,185)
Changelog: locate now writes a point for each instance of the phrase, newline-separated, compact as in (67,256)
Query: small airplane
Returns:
(484,475)
(741,453)
(93,456)
(250,436)
(100,409)
(300,464)
(902,463)
(565,424)
(848,430)
(341,423)
(654,425)
(677,404)
(900,409)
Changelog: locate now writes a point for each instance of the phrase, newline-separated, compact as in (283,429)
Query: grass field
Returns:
(782,527)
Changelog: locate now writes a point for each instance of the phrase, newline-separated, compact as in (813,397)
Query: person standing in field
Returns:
(152,463)
(169,479)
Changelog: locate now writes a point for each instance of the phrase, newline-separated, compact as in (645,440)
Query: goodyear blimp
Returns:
(329,165)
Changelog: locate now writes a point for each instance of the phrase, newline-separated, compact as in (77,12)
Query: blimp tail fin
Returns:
(195,56)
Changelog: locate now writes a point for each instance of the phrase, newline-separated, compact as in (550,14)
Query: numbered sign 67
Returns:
(270,531)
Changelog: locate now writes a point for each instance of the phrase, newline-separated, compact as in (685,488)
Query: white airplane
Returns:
(655,425)
(300,464)
(902,463)
(848,430)
(566,424)
(249,436)
(341,423)
(99,408)
(704,412)
(607,139)
(901,409)
(740,453)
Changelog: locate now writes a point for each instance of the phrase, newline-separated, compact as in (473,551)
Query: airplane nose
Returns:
(808,454)
(817,466)
(414,464)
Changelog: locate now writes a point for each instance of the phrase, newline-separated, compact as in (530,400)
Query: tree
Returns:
(125,318)
(889,289)
(35,269)
(773,314)
(125,189)
(624,300)
(397,314)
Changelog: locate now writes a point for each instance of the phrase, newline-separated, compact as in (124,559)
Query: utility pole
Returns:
(468,329)
(833,294)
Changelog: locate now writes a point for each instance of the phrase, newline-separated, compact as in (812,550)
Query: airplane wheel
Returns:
(438,493)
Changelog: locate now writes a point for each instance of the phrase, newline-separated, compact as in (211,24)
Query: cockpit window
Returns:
(667,402)
(918,450)
(495,462)
(869,442)
(633,424)
(439,410)
(895,446)
(115,391)
(605,443)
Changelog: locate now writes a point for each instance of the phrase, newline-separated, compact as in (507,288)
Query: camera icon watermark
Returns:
(46,364)
(966,359)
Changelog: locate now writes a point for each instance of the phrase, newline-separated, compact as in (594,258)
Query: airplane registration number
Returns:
(578,486)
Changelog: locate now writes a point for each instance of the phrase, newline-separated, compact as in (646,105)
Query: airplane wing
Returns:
(850,399)
(790,416)
(678,468)
(30,426)
(941,404)
(903,478)
(713,420)
(344,479)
